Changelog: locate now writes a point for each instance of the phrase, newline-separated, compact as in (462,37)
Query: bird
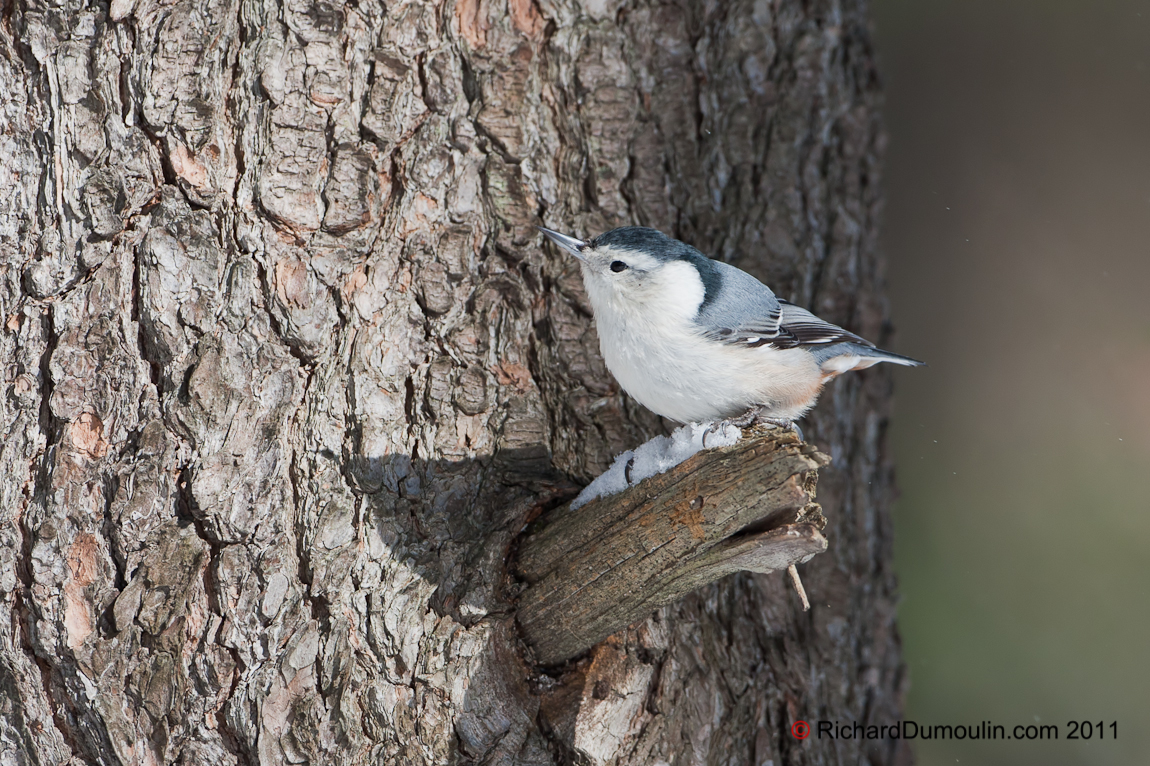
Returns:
(696,340)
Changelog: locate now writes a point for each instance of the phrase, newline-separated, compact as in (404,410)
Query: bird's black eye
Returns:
(617,266)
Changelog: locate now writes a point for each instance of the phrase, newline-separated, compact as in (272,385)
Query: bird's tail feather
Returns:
(834,350)
(890,356)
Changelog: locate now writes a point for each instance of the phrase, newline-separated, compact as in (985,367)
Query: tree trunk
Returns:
(287,370)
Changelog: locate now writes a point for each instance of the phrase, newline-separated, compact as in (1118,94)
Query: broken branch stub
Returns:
(593,571)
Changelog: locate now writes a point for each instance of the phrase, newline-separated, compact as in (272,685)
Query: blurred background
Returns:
(1017,234)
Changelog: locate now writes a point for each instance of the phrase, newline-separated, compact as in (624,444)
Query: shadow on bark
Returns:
(460,539)
(469,547)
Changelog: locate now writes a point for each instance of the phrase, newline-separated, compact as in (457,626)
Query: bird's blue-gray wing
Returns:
(799,327)
(742,310)
(745,312)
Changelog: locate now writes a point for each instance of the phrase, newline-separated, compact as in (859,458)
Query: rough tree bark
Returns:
(286,370)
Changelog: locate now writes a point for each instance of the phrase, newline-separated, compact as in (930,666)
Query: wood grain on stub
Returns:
(595,570)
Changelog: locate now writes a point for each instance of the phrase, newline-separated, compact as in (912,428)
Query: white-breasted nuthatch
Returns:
(695,340)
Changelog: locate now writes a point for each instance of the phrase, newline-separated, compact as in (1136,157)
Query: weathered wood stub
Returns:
(601,567)
(285,371)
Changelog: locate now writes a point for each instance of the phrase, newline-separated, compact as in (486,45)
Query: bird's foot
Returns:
(752,417)
(741,422)
(783,423)
(720,426)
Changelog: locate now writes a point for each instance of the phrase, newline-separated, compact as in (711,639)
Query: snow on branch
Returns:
(596,566)
(655,456)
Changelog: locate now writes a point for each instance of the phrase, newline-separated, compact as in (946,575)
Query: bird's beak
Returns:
(570,244)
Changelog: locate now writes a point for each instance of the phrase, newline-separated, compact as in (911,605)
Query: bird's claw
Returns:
(741,422)
(786,425)
(752,417)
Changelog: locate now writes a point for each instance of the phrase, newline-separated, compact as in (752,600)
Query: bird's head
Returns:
(637,268)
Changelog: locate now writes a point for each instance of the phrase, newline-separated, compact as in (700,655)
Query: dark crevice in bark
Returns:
(627,192)
(469,82)
(363,107)
(155,366)
(188,512)
(124,83)
(489,141)
(171,178)
(50,425)
(109,530)
(561,750)
(240,154)
(590,190)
